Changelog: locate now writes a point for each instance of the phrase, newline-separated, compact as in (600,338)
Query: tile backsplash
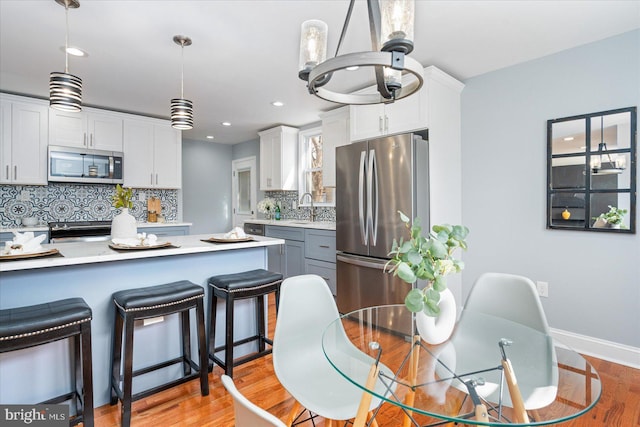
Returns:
(75,202)
(286,200)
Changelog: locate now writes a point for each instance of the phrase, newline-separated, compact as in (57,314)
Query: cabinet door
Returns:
(294,258)
(167,158)
(268,160)
(275,259)
(407,114)
(367,121)
(105,132)
(138,154)
(335,133)
(5,142)
(29,123)
(67,129)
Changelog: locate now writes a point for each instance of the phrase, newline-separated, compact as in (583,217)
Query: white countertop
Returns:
(96,252)
(319,225)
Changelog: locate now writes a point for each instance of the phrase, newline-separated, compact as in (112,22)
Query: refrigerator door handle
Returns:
(361,220)
(372,196)
(361,262)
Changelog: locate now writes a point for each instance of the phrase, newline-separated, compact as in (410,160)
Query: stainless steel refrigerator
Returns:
(374,180)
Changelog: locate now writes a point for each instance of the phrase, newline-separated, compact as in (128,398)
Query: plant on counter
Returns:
(613,217)
(267,206)
(427,258)
(122,198)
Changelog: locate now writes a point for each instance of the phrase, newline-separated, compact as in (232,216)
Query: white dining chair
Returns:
(306,309)
(494,298)
(247,413)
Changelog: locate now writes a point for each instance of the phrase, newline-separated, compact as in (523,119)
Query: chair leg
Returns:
(87,376)
(413,373)
(292,413)
(372,421)
(202,352)
(127,382)
(212,311)
(116,358)
(260,328)
(185,326)
(228,339)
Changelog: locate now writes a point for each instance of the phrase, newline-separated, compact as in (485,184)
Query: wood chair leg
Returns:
(292,413)
(365,402)
(413,375)
(371,420)
(519,412)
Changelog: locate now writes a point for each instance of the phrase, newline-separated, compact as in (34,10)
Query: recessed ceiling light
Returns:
(75,51)
(277,103)
(209,136)
(569,138)
(226,124)
(355,67)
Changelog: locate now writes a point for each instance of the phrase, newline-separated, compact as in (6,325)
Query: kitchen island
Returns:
(94,272)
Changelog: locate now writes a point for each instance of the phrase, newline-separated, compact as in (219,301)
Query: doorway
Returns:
(243,190)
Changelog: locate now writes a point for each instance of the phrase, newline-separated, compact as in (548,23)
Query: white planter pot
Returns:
(435,330)
(123,226)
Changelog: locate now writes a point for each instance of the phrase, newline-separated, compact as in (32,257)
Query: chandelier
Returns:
(181,108)
(391,30)
(65,90)
(616,163)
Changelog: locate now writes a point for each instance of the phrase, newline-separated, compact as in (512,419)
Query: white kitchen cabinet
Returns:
(279,159)
(405,115)
(23,140)
(152,154)
(91,128)
(335,133)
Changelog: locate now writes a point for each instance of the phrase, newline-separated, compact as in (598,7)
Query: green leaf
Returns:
(414,257)
(439,285)
(437,249)
(442,228)
(405,247)
(414,300)
(431,308)
(403,217)
(405,273)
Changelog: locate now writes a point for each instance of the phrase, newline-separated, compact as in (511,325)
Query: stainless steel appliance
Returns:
(88,166)
(81,231)
(374,180)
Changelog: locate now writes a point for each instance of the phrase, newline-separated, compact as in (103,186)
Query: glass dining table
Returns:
(491,372)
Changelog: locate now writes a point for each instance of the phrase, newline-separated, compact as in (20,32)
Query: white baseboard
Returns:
(602,349)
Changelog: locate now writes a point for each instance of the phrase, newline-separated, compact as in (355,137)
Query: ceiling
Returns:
(245,53)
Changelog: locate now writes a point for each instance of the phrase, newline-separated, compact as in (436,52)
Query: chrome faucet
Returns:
(311,215)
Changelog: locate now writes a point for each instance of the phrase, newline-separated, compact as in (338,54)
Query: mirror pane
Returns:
(568,209)
(568,172)
(612,131)
(569,137)
(601,203)
(613,174)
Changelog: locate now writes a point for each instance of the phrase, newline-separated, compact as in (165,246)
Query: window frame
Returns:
(303,138)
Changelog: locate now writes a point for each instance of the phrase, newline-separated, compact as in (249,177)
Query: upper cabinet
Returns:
(152,154)
(405,115)
(23,140)
(278,159)
(90,128)
(335,133)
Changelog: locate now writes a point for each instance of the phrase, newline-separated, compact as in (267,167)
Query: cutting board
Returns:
(153,204)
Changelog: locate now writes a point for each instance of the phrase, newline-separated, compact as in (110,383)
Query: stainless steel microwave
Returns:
(68,164)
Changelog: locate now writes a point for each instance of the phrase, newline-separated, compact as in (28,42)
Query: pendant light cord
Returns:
(182,72)
(66,38)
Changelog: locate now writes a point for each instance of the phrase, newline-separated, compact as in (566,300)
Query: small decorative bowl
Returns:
(29,221)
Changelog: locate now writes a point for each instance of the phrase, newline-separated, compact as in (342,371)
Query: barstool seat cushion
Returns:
(157,296)
(37,319)
(245,280)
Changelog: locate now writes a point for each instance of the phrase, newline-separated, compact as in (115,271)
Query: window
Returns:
(311,168)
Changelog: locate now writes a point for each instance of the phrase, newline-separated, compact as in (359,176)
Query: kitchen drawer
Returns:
(179,230)
(287,233)
(326,270)
(320,245)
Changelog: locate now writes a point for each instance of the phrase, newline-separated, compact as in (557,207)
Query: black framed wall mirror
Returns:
(591,172)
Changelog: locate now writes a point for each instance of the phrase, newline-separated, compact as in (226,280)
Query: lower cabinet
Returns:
(287,259)
(326,270)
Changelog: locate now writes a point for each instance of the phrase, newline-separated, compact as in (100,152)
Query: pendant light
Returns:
(65,90)
(182,109)
(391,30)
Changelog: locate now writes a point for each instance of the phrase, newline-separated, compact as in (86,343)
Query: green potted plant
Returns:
(123,225)
(122,198)
(613,218)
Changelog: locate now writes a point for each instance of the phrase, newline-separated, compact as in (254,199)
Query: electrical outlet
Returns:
(543,289)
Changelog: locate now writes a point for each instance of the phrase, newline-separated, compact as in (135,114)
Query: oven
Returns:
(81,231)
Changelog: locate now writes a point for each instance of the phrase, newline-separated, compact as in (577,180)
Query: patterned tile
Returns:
(286,199)
(75,202)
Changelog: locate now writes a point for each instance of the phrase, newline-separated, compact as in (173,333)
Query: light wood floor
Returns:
(619,405)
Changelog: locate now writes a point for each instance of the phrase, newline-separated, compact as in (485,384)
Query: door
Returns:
(351,232)
(243,190)
(390,188)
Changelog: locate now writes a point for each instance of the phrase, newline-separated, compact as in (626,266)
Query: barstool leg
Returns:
(185,325)
(202,345)
(127,381)
(259,301)
(87,375)
(228,339)
(211,341)
(116,359)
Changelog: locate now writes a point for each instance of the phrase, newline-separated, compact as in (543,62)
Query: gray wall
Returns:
(249,149)
(206,183)
(594,278)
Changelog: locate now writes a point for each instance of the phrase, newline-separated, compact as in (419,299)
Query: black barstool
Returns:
(249,284)
(24,327)
(154,301)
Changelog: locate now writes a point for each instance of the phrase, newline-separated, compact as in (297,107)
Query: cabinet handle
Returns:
(15,172)
(156,179)
(91,140)
(380,123)
(84,139)
(7,174)
(386,123)
(324,246)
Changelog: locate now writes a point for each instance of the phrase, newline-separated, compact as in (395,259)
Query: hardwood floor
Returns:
(619,405)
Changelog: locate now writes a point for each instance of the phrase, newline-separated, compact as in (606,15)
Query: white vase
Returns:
(435,330)
(123,226)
